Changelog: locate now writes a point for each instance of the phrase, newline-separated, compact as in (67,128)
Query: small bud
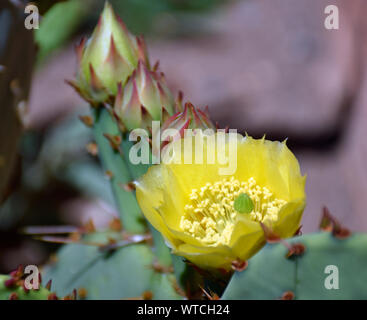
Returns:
(145,98)
(189,118)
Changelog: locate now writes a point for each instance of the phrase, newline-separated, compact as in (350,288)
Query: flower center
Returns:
(210,215)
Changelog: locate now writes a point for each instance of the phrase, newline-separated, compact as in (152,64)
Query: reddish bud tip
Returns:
(82,293)
(296,249)
(52,296)
(79,48)
(89,227)
(270,235)
(298,231)
(87,120)
(288,295)
(13,296)
(92,148)
(130,186)
(48,285)
(10,283)
(147,295)
(75,294)
(239,265)
(329,223)
(115,225)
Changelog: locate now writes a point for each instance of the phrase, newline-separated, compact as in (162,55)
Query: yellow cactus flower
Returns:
(212,219)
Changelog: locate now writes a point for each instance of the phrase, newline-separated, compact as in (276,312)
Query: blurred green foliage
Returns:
(141,15)
(57,25)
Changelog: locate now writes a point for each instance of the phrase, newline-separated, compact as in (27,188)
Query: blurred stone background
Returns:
(262,66)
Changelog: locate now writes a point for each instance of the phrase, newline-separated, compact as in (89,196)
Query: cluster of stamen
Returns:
(210,215)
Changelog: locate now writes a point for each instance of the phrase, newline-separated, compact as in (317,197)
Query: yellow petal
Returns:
(289,218)
(207,257)
(150,195)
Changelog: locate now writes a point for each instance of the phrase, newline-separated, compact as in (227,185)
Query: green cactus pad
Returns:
(112,161)
(270,274)
(120,274)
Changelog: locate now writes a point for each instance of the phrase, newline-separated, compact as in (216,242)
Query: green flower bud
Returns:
(109,57)
(144,98)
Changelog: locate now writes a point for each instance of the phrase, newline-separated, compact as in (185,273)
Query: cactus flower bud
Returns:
(107,58)
(189,118)
(144,98)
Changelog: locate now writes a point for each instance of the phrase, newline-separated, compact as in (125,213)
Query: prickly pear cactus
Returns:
(322,267)
(113,264)
(105,266)
(114,154)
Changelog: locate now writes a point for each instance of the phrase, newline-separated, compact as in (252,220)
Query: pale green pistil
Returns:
(243,204)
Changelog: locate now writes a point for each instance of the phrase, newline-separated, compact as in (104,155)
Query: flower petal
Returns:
(150,195)
(289,218)
(207,257)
